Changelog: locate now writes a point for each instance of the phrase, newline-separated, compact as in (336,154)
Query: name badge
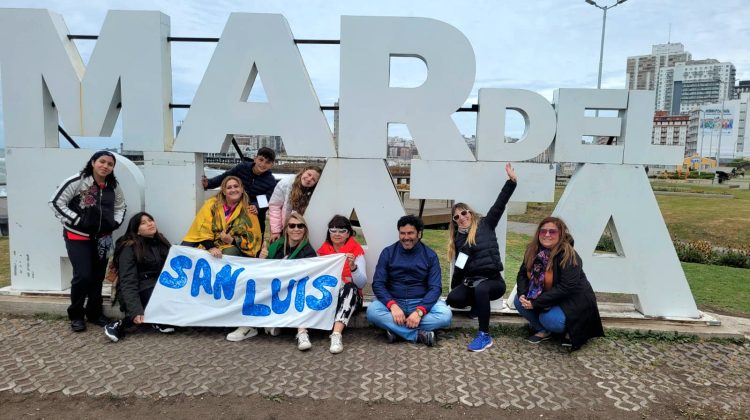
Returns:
(461,260)
(262,201)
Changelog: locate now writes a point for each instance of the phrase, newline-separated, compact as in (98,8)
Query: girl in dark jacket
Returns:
(292,245)
(90,206)
(139,257)
(473,249)
(553,292)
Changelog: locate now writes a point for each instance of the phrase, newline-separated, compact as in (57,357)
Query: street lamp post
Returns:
(601,47)
(721,128)
(703,132)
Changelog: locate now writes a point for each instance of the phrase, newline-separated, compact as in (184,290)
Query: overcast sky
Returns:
(534,45)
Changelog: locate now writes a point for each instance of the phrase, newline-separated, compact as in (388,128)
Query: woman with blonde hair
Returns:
(292,245)
(291,194)
(473,249)
(225,224)
(554,294)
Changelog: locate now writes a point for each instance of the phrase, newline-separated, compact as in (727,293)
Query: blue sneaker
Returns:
(481,342)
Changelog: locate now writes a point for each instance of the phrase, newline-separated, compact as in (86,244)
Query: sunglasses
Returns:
(550,232)
(338,230)
(463,213)
(296,225)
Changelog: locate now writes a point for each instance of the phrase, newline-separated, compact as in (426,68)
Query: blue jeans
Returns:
(439,317)
(549,321)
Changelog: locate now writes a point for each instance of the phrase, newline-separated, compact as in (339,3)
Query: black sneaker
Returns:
(112,331)
(78,325)
(391,337)
(535,339)
(566,341)
(426,337)
(101,320)
(164,329)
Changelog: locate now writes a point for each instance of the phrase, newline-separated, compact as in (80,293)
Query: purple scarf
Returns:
(536,286)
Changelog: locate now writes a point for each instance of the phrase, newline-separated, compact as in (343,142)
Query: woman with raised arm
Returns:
(90,205)
(477,272)
(225,225)
(554,294)
(340,240)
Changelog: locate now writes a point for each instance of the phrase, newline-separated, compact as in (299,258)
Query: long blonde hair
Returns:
(299,198)
(221,197)
(564,246)
(471,238)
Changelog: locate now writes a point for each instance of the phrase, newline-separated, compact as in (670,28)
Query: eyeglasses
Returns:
(296,225)
(550,232)
(463,213)
(338,230)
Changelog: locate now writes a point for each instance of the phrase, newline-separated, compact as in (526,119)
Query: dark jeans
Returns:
(479,298)
(88,274)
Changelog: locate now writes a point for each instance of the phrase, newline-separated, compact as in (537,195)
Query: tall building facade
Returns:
(743,86)
(687,86)
(713,128)
(670,130)
(643,70)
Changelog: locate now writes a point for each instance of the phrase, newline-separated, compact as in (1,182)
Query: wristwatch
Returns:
(420,313)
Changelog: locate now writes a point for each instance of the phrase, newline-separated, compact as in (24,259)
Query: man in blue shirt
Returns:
(407,284)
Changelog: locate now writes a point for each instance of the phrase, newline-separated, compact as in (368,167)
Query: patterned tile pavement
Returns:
(42,356)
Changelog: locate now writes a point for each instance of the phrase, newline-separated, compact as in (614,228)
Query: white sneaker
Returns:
(272,331)
(242,333)
(303,341)
(336,345)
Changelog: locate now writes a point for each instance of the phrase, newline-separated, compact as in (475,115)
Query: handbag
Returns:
(473,281)
(112,273)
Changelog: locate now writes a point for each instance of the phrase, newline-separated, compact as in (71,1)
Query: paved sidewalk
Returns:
(42,357)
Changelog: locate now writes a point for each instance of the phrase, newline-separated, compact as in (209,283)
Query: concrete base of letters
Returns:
(620,316)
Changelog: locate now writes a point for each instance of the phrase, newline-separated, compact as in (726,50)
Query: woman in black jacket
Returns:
(473,248)
(90,205)
(553,292)
(139,257)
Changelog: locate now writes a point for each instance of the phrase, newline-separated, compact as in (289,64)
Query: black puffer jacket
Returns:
(484,257)
(571,291)
(135,277)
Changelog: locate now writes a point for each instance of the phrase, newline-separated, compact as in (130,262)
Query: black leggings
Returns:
(479,298)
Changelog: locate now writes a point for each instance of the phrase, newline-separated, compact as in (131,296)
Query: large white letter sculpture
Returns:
(44,83)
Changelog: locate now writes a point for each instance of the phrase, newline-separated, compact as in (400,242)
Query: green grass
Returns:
(717,288)
(4,262)
(721,221)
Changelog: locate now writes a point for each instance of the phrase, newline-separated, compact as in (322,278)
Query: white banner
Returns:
(196,289)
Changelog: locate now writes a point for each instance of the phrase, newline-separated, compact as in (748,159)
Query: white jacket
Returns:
(279,207)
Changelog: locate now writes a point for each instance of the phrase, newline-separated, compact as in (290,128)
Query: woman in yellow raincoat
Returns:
(225,224)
